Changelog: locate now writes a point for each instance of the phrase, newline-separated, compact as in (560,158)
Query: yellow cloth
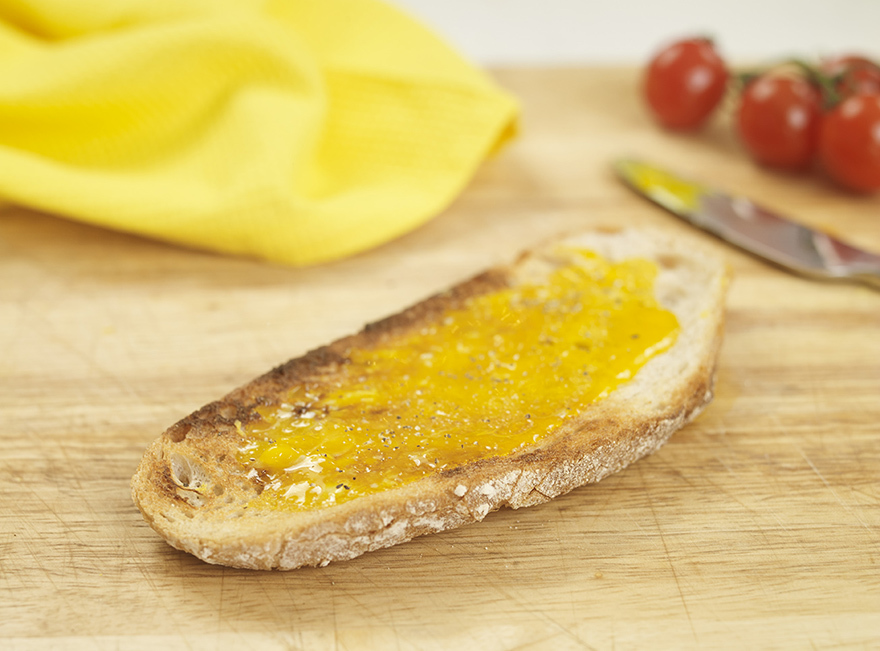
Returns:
(298,131)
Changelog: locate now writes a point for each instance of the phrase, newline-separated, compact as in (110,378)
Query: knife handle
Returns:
(846,261)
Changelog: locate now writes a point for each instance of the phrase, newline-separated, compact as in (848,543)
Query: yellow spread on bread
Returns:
(488,379)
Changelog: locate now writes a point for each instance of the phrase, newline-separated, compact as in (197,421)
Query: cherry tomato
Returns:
(779,119)
(684,83)
(853,74)
(849,142)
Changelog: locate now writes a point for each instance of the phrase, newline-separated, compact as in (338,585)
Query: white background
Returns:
(570,32)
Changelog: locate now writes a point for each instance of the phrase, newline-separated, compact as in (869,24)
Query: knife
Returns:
(754,228)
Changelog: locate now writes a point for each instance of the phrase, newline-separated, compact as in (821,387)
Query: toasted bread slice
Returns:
(204,486)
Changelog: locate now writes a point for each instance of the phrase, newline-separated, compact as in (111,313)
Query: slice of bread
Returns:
(201,492)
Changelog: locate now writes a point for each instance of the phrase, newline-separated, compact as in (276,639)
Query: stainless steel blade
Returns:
(752,227)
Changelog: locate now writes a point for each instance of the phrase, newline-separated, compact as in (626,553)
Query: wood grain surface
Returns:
(758,526)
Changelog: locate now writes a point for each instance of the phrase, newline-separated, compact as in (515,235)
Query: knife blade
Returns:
(750,226)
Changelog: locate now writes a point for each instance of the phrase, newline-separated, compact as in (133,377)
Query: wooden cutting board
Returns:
(758,526)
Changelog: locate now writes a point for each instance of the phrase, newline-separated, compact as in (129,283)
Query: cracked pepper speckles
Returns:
(494,377)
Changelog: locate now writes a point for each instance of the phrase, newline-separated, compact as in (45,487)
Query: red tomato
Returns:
(849,143)
(834,66)
(853,74)
(684,83)
(779,119)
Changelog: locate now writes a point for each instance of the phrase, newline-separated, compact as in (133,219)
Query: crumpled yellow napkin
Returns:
(297,131)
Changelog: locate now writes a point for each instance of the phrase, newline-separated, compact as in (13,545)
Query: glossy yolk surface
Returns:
(489,379)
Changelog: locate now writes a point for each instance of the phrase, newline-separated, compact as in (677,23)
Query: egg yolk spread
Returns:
(488,379)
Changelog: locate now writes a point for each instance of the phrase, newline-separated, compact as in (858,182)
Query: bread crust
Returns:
(192,490)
